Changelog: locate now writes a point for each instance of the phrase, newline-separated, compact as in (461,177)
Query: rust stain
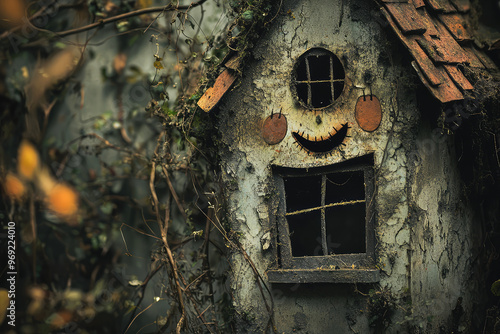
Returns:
(274,129)
(213,95)
(368,113)
(418,3)
(456,25)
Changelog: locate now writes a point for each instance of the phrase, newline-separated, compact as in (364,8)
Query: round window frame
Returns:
(293,83)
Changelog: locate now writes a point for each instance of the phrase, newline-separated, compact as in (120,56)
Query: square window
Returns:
(325,222)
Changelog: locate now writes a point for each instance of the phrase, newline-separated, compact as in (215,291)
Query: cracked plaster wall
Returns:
(421,230)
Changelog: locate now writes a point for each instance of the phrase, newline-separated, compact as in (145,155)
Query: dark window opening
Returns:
(326,213)
(325,224)
(319,78)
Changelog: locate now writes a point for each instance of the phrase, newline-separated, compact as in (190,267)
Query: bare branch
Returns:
(138,12)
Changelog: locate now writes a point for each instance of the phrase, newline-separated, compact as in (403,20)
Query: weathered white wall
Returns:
(422,231)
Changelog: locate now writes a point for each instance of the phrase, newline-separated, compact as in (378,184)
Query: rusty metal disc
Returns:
(274,129)
(368,112)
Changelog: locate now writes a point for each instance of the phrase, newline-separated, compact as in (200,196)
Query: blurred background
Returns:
(103,152)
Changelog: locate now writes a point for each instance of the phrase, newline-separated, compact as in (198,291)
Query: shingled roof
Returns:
(438,35)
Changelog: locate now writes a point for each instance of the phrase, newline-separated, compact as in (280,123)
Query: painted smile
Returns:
(322,145)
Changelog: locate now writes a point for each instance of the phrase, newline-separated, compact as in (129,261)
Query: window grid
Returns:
(323,208)
(310,80)
(285,258)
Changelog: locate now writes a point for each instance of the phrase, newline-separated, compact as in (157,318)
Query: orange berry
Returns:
(63,200)
(14,187)
(27,160)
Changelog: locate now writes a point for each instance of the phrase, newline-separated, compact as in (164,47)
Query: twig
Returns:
(107,143)
(174,194)
(143,288)
(138,12)
(260,280)
(138,314)
(163,226)
(34,16)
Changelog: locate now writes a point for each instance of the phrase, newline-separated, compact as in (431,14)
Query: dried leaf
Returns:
(119,63)
(110,8)
(157,64)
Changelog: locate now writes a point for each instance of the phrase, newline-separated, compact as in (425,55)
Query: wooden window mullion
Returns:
(323,215)
(309,91)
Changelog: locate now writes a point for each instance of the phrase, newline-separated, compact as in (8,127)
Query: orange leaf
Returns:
(63,200)
(27,160)
(14,187)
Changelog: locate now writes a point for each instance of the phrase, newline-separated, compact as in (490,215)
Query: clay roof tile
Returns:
(457,26)
(407,17)
(436,34)
(441,6)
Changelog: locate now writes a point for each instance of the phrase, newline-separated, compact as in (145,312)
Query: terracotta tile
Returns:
(429,23)
(450,49)
(425,63)
(458,77)
(418,3)
(461,5)
(456,24)
(213,95)
(446,92)
(431,49)
(441,6)
(407,17)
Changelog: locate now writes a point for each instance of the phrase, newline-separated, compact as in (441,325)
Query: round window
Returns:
(318,78)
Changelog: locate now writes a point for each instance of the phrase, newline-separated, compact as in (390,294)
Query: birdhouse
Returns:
(342,187)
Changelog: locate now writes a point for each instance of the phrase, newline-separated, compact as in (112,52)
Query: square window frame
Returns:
(339,268)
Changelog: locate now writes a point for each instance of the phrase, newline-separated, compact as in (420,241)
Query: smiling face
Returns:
(319,86)
(320,145)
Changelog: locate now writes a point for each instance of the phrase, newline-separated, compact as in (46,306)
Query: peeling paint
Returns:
(423,246)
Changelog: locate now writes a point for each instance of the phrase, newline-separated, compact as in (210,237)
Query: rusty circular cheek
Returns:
(368,113)
(274,129)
